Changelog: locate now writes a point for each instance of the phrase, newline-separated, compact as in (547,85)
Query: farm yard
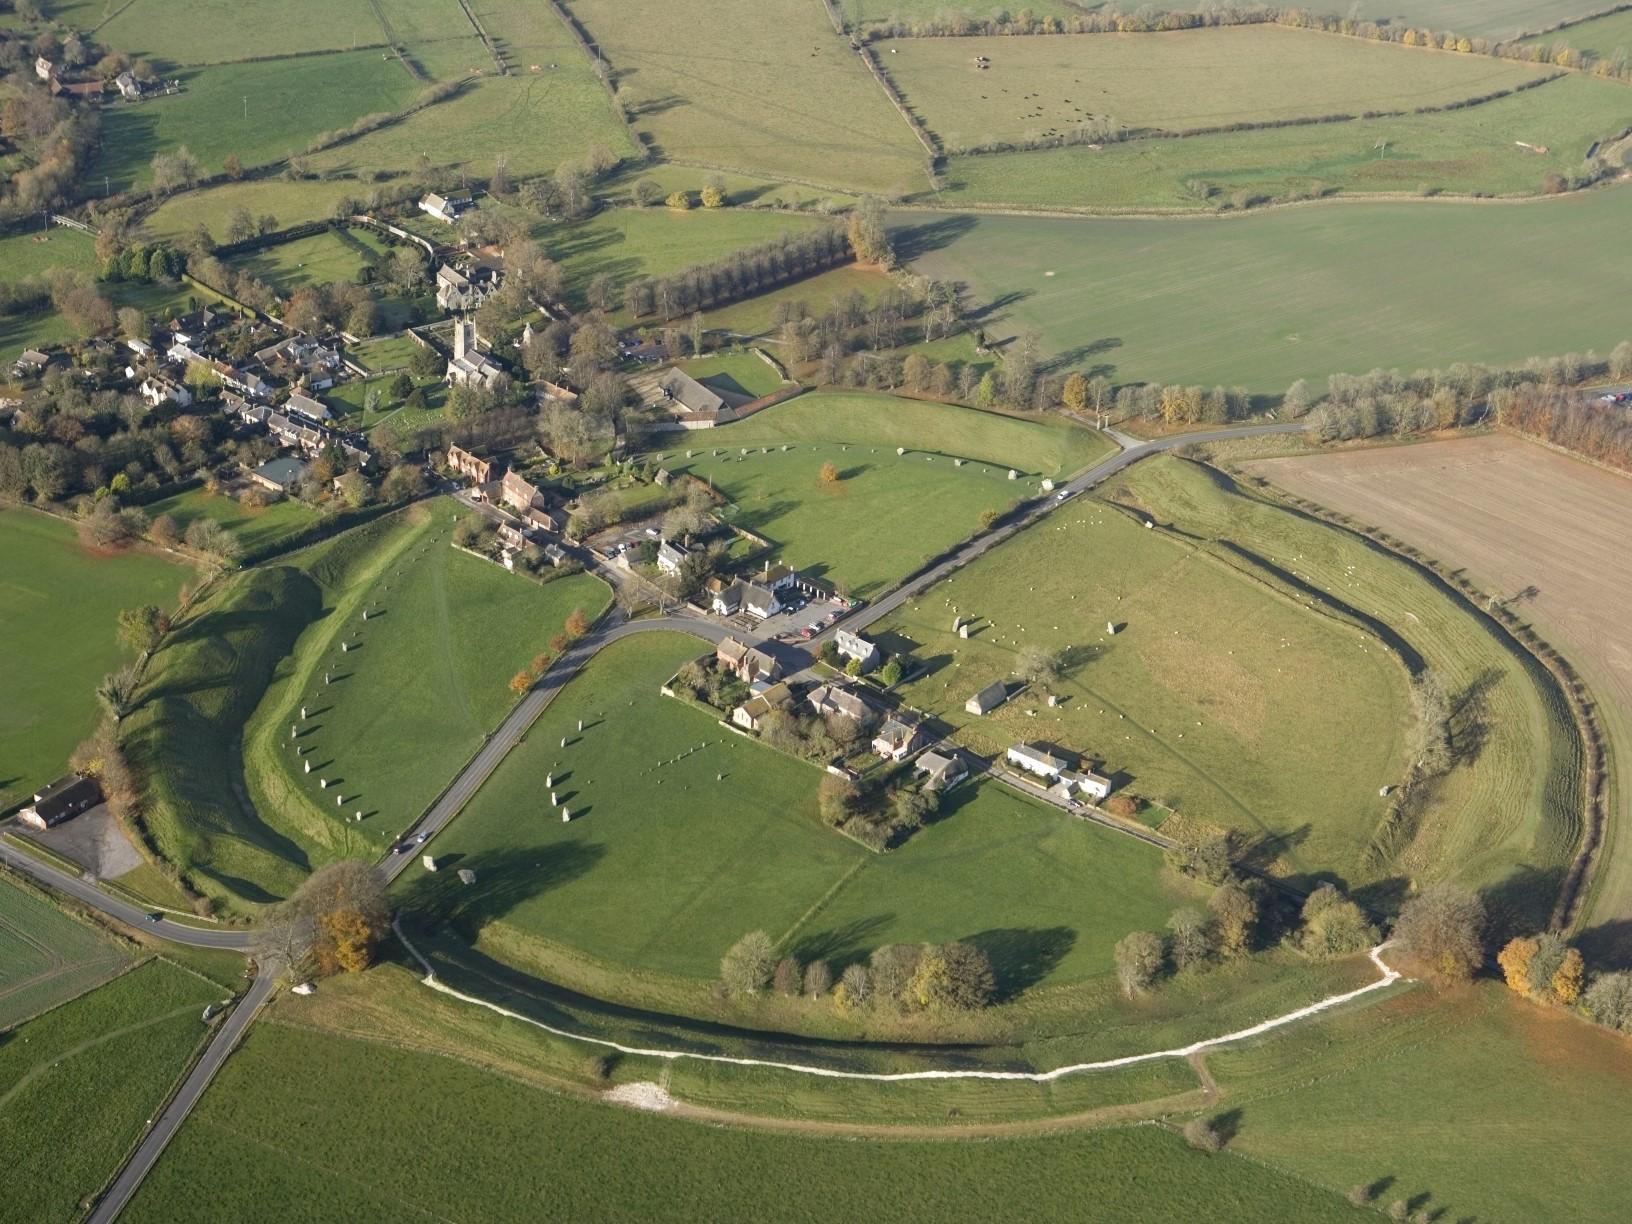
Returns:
(46,957)
(1319,297)
(1476,149)
(1543,551)
(780,95)
(652,876)
(885,514)
(1178,81)
(82,1082)
(569,1159)
(59,608)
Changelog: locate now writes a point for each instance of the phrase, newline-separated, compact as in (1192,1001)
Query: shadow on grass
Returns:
(504,879)
(1023,956)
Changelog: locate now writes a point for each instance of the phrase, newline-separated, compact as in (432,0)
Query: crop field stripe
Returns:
(90,1044)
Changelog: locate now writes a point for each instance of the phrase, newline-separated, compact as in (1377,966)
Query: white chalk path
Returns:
(1388,978)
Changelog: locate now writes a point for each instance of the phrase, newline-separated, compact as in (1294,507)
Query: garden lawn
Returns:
(754,86)
(46,957)
(565,1159)
(424,682)
(289,102)
(258,530)
(319,259)
(665,863)
(59,608)
(383,353)
(1217,696)
(887,514)
(1458,152)
(1517,1111)
(1182,80)
(739,373)
(1262,300)
(78,1086)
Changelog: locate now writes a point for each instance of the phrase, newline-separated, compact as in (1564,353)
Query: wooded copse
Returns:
(742,274)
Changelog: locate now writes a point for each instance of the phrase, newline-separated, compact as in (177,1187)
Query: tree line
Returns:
(739,275)
(924,979)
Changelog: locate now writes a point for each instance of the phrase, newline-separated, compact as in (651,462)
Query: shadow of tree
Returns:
(842,946)
(504,879)
(1608,946)
(1521,904)
(1023,956)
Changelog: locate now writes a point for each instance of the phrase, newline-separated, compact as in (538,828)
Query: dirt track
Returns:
(1533,526)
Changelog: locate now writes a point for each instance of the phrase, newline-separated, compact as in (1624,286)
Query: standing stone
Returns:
(1013,475)
(563,741)
(303,713)
(963,631)
(339,801)
(324,783)
(293,732)
(554,802)
(308,767)
(565,816)
(549,781)
(1110,628)
(580,724)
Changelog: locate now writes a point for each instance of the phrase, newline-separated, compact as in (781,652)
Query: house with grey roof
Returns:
(446,208)
(279,475)
(896,739)
(942,769)
(854,646)
(1043,760)
(65,798)
(831,701)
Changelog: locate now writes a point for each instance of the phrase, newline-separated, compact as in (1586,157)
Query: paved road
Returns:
(175,1112)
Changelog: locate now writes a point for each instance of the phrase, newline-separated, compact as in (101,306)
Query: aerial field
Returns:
(1602,36)
(213,207)
(1492,18)
(927,501)
(1216,697)
(876,12)
(257,529)
(565,1159)
(175,33)
(333,255)
(81,1083)
(663,866)
(1549,550)
(1262,300)
(59,608)
(1178,81)
(1517,1110)
(754,85)
(423,683)
(756,316)
(289,101)
(46,957)
(1475,149)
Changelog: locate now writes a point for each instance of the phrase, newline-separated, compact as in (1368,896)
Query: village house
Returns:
(671,557)
(747,597)
(44,68)
(750,715)
(300,359)
(446,208)
(778,578)
(458,290)
(470,367)
(463,463)
(129,87)
(830,701)
(31,364)
(279,475)
(942,770)
(896,739)
(519,493)
(541,518)
(1086,783)
(748,663)
(157,389)
(245,382)
(1039,759)
(988,699)
(308,407)
(191,328)
(292,431)
(555,555)
(65,798)
(512,536)
(854,646)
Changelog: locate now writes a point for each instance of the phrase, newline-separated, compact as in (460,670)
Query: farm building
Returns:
(65,798)
(129,87)
(942,770)
(896,739)
(854,646)
(446,208)
(31,364)
(750,715)
(1039,759)
(988,699)
(279,475)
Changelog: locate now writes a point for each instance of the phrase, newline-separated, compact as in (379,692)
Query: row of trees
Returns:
(905,978)
(741,274)
(1597,431)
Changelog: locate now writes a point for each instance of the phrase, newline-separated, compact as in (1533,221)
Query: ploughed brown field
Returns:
(1533,526)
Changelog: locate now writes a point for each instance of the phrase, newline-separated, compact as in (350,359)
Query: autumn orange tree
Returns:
(1543,968)
(577,624)
(829,474)
(336,919)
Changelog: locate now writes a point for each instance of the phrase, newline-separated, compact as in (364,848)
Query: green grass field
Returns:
(213,207)
(289,102)
(875,12)
(1217,697)
(1177,81)
(756,316)
(1301,293)
(1602,37)
(737,373)
(383,353)
(59,608)
(46,957)
(663,866)
(179,32)
(257,530)
(424,682)
(333,255)
(1458,152)
(926,501)
(781,95)
(564,1159)
(1491,18)
(1515,1113)
(77,1086)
